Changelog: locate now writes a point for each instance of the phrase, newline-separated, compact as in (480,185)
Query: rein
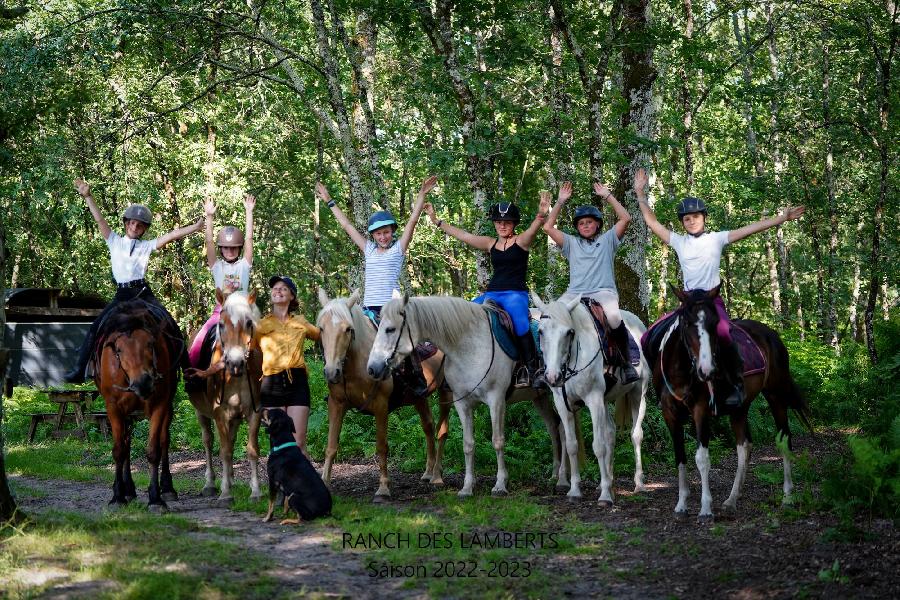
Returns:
(116,352)
(490,365)
(568,373)
(247,351)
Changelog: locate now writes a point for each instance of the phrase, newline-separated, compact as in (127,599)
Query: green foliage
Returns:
(867,482)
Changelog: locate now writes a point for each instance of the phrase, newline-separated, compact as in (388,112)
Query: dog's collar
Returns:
(282,446)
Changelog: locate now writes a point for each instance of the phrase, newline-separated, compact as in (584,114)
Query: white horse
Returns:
(475,367)
(574,371)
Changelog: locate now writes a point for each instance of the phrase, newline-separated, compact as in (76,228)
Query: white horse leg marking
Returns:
(565,465)
(705,364)
(743,454)
(788,485)
(683,490)
(497,406)
(638,408)
(464,410)
(600,421)
(571,442)
(705,495)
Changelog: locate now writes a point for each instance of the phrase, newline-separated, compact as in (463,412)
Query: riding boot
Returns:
(76,375)
(618,339)
(531,372)
(733,368)
(413,378)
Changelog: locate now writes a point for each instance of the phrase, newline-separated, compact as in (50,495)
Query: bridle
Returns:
(154,373)
(220,326)
(566,372)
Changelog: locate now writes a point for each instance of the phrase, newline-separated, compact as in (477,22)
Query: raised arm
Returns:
(209,209)
(526,238)
(482,242)
(358,238)
(85,191)
(789,214)
(406,238)
(622,216)
(565,192)
(249,205)
(179,233)
(640,190)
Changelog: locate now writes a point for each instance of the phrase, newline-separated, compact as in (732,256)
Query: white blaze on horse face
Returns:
(704,362)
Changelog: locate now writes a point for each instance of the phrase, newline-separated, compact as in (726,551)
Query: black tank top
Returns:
(509,266)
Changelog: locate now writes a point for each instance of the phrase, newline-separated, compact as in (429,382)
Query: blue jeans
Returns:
(515,303)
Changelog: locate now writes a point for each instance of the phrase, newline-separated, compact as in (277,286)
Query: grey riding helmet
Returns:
(690,205)
(379,219)
(138,212)
(587,211)
(505,211)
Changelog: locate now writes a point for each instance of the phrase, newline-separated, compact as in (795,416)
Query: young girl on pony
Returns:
(230,270)
(591,260)
(507,287)
(129,256)
(699,254)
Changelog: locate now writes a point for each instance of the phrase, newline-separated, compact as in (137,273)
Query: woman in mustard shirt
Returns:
(281,336)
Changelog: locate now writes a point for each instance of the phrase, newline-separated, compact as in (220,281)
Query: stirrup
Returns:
(522,378)
(629,374)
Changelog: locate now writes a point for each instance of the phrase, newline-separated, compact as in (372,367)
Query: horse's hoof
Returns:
(573,499)
(169,496)
(381,498)
(437,481)
(117,503)
(255,497)
(604,503)
(464,493)
(705,519)
(209,491)
(157,509)
(562,489)
(681,515)
(224,502)
(499,493)
(640,488)
(425,477)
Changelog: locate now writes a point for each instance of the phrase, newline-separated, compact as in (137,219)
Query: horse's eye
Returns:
(390,329)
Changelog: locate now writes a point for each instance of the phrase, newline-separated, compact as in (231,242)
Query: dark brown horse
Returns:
(682,354)
(138,370)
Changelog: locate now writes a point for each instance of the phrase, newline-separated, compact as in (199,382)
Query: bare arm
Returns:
(249,205)
(526,238)
(640,190)
(179,233)
(565,192)
(85,191)
(358,238)
(482,242)
(427,186)
(622,216)
(209,208)
(789,214)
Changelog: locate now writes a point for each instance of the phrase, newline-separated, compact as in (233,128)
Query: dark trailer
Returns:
(43,332)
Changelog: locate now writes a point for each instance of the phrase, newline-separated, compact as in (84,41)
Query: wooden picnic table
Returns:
(81,402)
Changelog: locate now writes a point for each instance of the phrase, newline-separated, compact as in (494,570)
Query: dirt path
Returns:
(644,552)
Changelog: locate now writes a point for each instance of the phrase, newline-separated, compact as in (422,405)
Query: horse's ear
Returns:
(220,297)
(323,297)
(405,298)
(678,292)
(713,292)
(396,295)
(353,299)
(251,298)
(537,301)
(574,302)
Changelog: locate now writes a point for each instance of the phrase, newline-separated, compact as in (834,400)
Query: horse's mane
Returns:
(239,309)
(130,316)
(450,315)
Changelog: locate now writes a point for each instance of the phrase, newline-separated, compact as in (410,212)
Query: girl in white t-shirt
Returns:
(230,270)
(129,256)
(699,254)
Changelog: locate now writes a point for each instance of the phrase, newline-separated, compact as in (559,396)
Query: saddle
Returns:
(504,332)
(126,318)
(602,327)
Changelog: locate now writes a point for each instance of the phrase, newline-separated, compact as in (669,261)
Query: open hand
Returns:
(792,212)
(209,207)
(565,191)
(322,192)
(428,207)
(640,183)
(82,187)
(249,202)
(544,206)
(428,185)
(602,191)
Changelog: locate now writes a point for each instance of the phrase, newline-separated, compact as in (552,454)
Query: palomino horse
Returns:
(347,336)
(683,370)
(233,396)
(475,366)
(138,369)
(575,372)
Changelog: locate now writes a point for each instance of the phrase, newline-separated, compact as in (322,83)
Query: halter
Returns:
(220,326)
(693,371)
(568,373)
(155,375)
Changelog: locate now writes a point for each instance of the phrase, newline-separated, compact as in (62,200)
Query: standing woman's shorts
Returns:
(279,390)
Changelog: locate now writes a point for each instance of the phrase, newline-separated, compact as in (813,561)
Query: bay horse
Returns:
(476,367)
(575,372)
(683,370)
(347,337)
(231,393)
(138,370)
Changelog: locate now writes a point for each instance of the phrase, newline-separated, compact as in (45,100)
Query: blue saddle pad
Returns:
(504,335)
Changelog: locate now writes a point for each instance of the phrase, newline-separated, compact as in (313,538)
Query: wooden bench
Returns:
(81,402)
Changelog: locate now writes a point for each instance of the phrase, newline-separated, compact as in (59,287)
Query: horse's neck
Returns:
(363,338)
(586,333)
(477,334)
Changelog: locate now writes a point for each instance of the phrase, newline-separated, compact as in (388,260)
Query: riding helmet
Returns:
(587,211)
(230,236)
(138,212)
(380,219)
(505,211)
(691,205)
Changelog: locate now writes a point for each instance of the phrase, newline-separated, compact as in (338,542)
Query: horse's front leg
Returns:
(701,420)
(253,421)
(427,421)
(120,451)
(571,441)
(497,407)
(464,410)
(551,422)
(602,449)
(166,487)
(381,449)
(154,456)
(227,429)
(336,411)
(638,404)
(128,486)
(443,429)
(209,486)
(742,441)
(677,433)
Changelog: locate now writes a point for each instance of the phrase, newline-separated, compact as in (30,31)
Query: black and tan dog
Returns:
(291,473)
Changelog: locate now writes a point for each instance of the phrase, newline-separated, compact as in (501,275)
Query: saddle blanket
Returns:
(502,327)
(634,351)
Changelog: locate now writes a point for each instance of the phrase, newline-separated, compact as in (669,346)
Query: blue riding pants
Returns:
(515,303)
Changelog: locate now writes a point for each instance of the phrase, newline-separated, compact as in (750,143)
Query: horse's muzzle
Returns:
(377,370)
(143,385)
(333,374)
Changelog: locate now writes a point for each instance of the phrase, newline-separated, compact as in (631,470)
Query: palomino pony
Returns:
(683,370)
(475,366)
(233,396)
(138,369)
(575,372)
(347,336)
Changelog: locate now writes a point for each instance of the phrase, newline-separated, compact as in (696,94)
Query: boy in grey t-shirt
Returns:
(591,257)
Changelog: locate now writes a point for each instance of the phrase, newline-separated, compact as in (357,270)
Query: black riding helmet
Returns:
(587,211)
(690,205)
(505,211)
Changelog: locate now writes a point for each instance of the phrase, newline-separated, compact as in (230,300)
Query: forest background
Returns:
(750,106)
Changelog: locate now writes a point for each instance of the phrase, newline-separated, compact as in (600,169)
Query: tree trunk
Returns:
(687,108)
(7,501)
(831,300)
